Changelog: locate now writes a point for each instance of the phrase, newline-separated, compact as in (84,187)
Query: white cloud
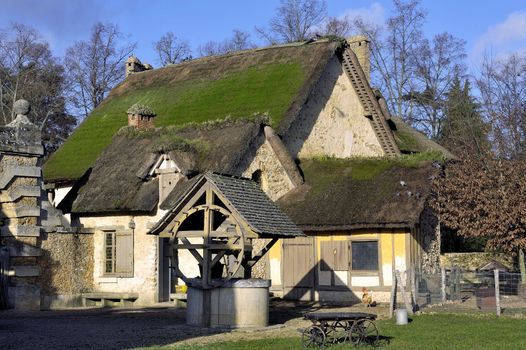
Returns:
(374,14)
(503,38)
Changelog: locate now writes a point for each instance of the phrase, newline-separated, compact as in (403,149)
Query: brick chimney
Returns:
(141,116)
(360,46)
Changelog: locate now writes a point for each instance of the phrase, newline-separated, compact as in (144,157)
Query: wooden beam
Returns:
(253,261)
(208,225)
(192,251)
(213,234)
(213,246)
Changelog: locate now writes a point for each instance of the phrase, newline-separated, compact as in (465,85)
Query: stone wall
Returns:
(473,261)
(332,123)
(20,193)
(430,241)
(274,180)
(145,277)
(66,263)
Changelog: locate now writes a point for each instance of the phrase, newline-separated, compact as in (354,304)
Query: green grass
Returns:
(268,89)
(441,331)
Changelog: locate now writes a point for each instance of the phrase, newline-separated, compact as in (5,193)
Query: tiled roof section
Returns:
(252,204)
(180,190)
(263,215)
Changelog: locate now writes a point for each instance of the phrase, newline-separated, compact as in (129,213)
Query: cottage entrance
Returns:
(298,268)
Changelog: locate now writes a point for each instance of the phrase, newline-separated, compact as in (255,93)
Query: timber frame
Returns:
(212,230)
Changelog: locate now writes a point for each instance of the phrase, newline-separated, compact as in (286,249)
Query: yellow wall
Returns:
(394,251)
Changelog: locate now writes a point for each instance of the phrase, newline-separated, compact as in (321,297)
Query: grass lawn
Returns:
(441,331)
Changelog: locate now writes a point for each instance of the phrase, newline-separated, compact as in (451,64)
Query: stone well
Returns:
(237,303)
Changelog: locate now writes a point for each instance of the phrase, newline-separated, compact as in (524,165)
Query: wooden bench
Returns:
(108,299)
(179,299)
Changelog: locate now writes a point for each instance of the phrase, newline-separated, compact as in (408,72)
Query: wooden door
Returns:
(298,268)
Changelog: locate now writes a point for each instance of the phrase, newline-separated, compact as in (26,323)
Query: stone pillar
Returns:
(360,46)
(20,191)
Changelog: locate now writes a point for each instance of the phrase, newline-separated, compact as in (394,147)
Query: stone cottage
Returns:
(300,120)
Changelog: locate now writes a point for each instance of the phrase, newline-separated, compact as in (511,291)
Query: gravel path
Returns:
(132,328)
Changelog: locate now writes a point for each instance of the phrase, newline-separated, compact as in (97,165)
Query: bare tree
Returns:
(28,70)
(22,55)
(502,85)
(440,62)
(171,49)
(295,20)
(95,66)
(394,53)
(240,40)
(334,26)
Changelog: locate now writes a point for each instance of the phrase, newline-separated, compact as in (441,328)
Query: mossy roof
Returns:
(343,194)
(119,181)
(410,140)
(275,81)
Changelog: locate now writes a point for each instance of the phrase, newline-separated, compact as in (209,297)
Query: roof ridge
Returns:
(242,52)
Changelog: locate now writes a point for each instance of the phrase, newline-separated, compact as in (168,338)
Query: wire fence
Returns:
(495,290)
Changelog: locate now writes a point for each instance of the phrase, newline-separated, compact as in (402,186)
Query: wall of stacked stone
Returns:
(66,263)
(430,241)
(474,261)
(20,192)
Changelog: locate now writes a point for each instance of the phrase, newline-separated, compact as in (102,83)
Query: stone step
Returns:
(19,211)
(11,171)
(24,271)
(24,250)
(20,231)
(17,192)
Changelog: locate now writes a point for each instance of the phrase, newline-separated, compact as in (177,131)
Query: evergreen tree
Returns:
(463,130)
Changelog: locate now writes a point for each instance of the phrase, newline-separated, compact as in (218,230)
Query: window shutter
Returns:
(340,250)
(326,256)
(334,256)
(124,254)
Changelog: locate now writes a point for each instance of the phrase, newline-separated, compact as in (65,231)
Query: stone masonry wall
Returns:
(66,263)
(430,241)
(332,123)
(274,179)
(20,193)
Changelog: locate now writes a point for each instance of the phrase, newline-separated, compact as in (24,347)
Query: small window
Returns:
(364,255)
(109,266)
(118,254)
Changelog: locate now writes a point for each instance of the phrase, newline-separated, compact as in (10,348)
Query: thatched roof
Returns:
(344,194)
(119,180)
(410,140)
(275,80)
(244,196)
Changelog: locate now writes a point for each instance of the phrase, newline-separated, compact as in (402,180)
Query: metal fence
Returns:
(496,290)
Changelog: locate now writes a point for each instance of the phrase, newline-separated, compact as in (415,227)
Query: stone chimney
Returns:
(133,65)
(360,46)
(141,116)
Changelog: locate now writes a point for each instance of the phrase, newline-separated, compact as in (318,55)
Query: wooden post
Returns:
(443,289)
(208,224)
(407,302)
(392,303)
(497,291)
(413,288)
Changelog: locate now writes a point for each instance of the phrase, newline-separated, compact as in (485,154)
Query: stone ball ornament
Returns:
(22,107)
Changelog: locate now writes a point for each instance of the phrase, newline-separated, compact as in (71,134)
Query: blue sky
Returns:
(493,27)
